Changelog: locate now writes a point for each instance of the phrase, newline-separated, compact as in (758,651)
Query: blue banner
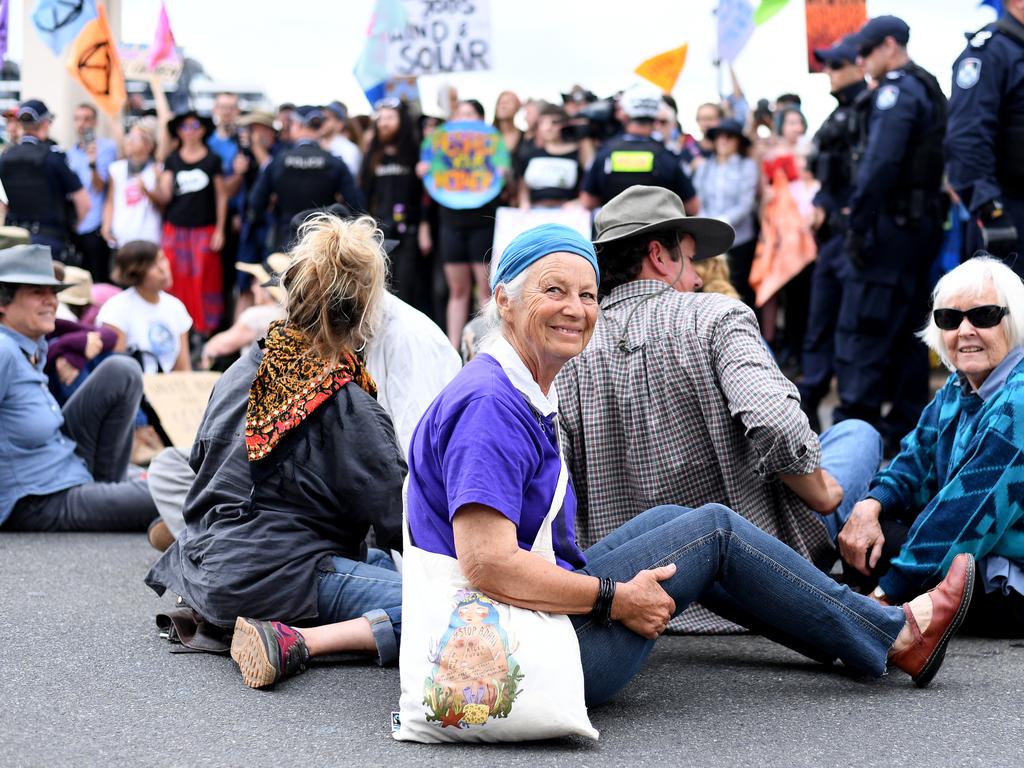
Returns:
(58,22)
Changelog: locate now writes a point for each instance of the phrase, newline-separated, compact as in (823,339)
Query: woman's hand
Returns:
(641,603)
(93,344)
(66,372)
(861,540)
(217,240)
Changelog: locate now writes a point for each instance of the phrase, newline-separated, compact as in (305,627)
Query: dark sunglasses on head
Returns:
(191,125)
(987,316)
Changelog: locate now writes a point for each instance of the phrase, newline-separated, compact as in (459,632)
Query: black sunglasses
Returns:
(987,316)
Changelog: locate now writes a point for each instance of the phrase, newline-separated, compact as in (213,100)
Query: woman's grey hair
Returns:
(491,316)
(968,280)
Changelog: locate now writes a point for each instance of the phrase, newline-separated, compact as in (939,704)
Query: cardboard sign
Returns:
(441,36)
(135,63)
(468,161)
(828,21)
(179,399)
(510,222)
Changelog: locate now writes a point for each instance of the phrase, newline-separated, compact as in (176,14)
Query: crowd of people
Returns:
(646,399)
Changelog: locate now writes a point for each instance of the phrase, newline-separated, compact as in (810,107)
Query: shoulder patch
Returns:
(968,73)
(980,38)
(896,74)
(887,97)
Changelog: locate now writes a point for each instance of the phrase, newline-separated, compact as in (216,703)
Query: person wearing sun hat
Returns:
(61,469)
(676,401)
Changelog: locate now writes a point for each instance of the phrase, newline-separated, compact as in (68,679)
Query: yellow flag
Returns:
(95,64)
(663,70)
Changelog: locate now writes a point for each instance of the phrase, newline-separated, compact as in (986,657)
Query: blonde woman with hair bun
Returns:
(295,460)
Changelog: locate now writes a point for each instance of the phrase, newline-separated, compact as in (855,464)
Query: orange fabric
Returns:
(786,244)
(663,70)
(94,62)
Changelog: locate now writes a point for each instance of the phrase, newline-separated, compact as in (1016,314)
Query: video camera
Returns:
(594,121)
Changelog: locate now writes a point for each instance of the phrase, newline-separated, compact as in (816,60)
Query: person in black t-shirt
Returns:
(549,169)
(192,187)
(394,192)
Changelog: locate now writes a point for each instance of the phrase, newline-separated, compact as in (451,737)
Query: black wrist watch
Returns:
(93,166)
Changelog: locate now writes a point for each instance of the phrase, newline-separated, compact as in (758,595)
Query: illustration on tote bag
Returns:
(475,676)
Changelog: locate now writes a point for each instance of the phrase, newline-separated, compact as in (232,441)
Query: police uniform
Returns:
(895,230)
(301,177)
(833,167)
(985,134)
(629,159)
(37,179)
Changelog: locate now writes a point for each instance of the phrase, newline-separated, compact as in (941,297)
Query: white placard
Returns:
(441,36)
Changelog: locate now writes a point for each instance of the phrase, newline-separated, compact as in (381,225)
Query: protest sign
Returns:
(828,21)
(179,399)
(441,36)
(468,161)
(735,27)
(510,222)
(135,63)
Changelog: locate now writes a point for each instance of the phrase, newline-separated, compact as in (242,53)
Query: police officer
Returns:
(39,183)
(985,135)
(636,157)
(301,177)
(833,167)
(894,233)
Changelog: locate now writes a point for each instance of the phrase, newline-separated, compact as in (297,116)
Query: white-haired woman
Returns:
(295,460)
(956,485)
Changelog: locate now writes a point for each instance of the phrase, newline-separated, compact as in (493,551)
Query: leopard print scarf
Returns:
(290,384)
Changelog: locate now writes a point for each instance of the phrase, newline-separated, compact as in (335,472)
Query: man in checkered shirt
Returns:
(677,401)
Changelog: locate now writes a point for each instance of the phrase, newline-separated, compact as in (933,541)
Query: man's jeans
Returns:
(372,590)
(851,451)
(100,418)
(740,572)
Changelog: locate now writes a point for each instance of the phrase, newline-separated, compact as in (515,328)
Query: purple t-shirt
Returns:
(481,442)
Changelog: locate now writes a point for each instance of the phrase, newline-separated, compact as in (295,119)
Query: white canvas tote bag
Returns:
(474,669)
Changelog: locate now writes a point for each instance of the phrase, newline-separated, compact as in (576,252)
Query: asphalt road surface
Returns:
(85,680)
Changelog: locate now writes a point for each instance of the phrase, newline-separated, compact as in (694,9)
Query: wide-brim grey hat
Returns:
(28,265)
(641,210)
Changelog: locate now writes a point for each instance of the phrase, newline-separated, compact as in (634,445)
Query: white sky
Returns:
(304,50)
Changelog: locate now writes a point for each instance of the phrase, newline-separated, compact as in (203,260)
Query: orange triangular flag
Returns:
(94,63)
(663,70)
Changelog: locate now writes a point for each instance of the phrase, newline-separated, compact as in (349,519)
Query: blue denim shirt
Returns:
(36,458)
(106,153)
(728,191)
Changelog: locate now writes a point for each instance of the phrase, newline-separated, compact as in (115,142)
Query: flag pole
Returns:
(718,55)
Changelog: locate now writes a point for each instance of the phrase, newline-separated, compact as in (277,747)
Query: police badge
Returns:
(887,97)
(967,73)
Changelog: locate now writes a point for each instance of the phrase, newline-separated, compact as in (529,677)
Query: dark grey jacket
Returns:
(256,533)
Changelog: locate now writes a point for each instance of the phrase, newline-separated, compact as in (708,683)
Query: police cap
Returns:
(842,52)
(33,111)
(877,29)
(310,116)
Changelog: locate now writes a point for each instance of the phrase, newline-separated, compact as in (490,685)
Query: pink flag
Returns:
(163,41)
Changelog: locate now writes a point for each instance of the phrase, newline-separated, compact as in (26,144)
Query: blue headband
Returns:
(534,244)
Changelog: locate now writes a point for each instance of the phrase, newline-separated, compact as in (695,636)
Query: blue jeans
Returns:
(372,590)
(851,451)
(741,573)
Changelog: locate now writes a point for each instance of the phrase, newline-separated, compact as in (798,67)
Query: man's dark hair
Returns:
(553,110)
(7,291)
(788,98)
(90,107)
(622,261)
(133,260)
(716,107)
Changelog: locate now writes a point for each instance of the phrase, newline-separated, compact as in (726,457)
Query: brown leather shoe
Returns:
(950,601)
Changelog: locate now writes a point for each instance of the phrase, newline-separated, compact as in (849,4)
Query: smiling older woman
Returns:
(956,482)
(483,470)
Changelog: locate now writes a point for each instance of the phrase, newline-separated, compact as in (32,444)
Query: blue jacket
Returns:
(959,479)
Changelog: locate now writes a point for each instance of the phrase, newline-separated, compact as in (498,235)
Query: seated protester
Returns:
(276,522)
(408,356)
(484,473)
(549,169)
(676,400)
(955,484)
(61,470)
(148,321)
